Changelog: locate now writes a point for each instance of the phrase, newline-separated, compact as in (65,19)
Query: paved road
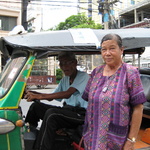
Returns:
(25,105)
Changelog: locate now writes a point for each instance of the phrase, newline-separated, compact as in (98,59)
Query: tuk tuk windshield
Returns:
(9,74)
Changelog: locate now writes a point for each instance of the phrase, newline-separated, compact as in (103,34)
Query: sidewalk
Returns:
(47,89)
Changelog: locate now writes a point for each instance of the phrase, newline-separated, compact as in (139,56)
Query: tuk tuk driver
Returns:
(70,89)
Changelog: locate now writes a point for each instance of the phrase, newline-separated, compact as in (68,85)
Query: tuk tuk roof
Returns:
(77,40)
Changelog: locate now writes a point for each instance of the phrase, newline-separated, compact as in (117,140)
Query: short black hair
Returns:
(67,54)
(115,37)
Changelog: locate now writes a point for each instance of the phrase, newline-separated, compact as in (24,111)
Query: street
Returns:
(25,105)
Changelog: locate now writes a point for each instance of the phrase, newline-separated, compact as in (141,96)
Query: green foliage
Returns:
(77,21)
(59,75)
(91,26)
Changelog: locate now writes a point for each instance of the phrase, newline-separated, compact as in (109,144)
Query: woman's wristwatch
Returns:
(133,140)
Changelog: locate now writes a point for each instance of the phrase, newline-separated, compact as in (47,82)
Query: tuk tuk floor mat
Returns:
(146,148)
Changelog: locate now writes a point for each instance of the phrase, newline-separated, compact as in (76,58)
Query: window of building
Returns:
(7,23)
(132,2)
(0,24)
(144,65)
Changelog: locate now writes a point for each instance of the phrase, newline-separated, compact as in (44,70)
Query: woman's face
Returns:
(111,52)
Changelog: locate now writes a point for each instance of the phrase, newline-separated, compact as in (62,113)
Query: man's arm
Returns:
(59,95)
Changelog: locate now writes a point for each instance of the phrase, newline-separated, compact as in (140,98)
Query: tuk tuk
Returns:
(22,50)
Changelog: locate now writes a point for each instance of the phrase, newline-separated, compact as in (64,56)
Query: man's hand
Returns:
(30,96)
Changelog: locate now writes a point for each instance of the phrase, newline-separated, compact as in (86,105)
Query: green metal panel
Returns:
(12,140)
(9,109)
(12,98)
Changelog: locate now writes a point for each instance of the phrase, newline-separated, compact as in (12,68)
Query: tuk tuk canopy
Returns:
(76,40)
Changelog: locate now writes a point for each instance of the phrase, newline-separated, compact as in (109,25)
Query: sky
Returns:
(146,54)
(52,12)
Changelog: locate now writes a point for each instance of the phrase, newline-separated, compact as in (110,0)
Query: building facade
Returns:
(90,8)
(136,15)
(125,13)
(10,16)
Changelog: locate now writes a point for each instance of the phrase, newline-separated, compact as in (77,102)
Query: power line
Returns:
(10,2)
(25,3)
(46,4)
(48,1)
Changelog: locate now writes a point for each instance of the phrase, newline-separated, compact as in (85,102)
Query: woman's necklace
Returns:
(106,87)
(107,79)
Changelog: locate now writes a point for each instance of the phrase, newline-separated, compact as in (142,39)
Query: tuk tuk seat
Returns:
(145,78)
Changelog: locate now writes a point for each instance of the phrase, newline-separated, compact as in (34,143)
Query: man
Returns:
(70,89)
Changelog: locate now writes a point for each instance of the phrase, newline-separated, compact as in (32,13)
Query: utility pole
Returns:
(24,13)
(104,9)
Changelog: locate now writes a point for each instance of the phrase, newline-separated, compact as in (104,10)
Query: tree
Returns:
(59,75)
(77,21)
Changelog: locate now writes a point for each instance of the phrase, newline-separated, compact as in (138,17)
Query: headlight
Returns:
(6,126)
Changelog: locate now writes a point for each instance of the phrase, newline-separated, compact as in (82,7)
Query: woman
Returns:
(115,97)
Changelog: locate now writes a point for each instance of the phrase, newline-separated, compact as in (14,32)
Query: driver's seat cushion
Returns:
(145,78)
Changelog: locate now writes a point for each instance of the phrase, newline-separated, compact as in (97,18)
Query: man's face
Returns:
(68,66)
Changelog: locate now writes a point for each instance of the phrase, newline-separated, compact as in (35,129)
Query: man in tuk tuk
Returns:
(70,89)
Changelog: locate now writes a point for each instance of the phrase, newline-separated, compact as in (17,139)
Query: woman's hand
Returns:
(128,146)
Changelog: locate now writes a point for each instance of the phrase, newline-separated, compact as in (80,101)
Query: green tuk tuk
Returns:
(22,50)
